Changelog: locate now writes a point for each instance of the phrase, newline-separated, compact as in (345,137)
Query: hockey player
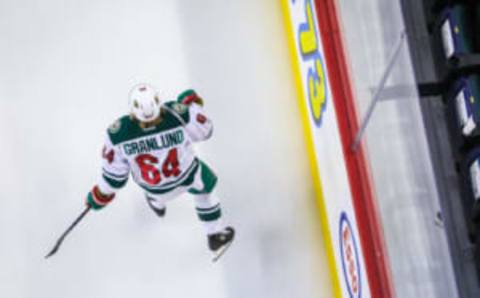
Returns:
(155,144)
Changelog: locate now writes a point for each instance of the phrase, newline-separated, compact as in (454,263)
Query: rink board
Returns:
(329,169)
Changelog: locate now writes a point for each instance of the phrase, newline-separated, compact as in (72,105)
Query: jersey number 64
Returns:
(148,167)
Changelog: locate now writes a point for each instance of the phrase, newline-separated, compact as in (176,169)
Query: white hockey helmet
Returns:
(144,102)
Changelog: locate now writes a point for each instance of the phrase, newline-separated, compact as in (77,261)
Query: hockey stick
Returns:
(70,228)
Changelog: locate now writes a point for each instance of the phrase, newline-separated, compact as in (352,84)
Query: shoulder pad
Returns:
(115,127)
(120,129)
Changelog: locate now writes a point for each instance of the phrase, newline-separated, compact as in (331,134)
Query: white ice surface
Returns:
(65,70)
(66,67)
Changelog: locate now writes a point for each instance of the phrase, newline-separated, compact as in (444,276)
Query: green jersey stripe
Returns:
(115,176)
(115,183)
(207,210)
(210,216)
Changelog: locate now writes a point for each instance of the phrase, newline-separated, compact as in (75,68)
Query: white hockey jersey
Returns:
(159,158)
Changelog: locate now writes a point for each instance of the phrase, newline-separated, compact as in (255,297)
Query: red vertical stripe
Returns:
(366,210)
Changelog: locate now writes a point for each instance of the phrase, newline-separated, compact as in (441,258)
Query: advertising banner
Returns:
(339,224)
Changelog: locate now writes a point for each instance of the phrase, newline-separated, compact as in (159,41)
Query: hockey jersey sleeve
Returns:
(199,126)
(115,168)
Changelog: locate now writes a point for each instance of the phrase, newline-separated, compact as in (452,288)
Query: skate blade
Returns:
(219,253)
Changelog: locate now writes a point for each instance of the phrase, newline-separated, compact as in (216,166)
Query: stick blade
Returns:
(52,252)
(60,240)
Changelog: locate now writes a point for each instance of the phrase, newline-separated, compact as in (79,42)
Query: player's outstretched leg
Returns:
(209,212)
(158,207)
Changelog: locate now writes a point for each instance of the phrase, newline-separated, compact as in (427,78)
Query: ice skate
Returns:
(220,242)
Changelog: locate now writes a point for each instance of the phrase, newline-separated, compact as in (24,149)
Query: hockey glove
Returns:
(96,200)
(188,97)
